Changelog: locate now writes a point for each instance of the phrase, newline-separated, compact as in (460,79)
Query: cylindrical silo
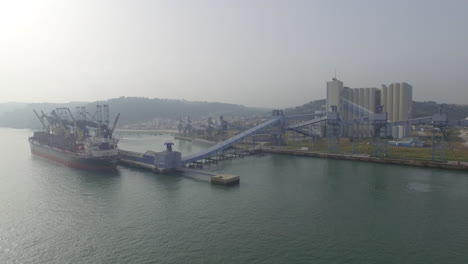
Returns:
(403,103)
(356,102)
(410,111)
(344,104)
(406,101)
(383,98)
(334,92)
(350,105)
(372,99)
(366,99)
(396,102)
(361,101)
(377,98)
(390,102)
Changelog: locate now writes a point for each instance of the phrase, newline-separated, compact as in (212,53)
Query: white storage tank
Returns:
(405,101)
(361,101)
(350,98)
(334,91)
(396,102)
(390,102)
(356,102)
(366,99)
(383,98)
(372,99)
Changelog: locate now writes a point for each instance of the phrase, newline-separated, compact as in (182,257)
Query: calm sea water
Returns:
(286,210)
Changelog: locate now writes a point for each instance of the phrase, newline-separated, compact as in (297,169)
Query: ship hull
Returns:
(71,159)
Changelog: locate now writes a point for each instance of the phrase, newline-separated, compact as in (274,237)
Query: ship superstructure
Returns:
(82,140)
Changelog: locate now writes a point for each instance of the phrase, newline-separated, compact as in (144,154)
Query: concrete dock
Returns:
(225,179)
(169,161)
(219,179)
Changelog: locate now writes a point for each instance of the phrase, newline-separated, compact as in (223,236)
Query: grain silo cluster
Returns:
(397,101)
(352,103)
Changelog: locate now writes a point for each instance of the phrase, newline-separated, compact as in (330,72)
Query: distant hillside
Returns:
(420,109)
(132,110)
(7,107)
(137,109)
(453,111)
(308,108)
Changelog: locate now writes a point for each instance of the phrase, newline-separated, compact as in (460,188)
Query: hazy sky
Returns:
(257,53)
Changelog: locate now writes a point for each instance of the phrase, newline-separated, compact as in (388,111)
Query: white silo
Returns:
(410,107)
(366,99)
(356,102)
(405,105)
(396,102)
(361,101)
(334,91)
(350,105)
(372,99)
(390,102)
(344,105)
(383,98)
(405,101)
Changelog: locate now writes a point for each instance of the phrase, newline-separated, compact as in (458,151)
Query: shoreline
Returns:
(450,165)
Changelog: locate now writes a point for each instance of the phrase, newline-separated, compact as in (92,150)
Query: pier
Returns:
(277,126)
(168,160)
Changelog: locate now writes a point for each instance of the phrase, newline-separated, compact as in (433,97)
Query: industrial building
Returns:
(351,103)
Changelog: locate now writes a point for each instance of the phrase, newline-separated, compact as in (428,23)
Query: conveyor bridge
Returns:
(229,142)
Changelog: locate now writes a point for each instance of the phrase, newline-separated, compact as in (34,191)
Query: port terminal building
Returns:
(352,103)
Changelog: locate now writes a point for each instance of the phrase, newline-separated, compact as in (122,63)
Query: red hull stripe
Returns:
(71,163)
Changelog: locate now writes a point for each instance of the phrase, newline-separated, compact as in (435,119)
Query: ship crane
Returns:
(59,120)
(41,118)
(78,130)
(51,122)
(114,125)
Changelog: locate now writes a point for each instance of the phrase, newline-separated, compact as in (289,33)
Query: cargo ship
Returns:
(85,142)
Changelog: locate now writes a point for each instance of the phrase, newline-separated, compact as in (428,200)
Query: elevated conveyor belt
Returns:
(310,122)
(357,109)
(414,121)
(229,142)
(299,117)
(305,133)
